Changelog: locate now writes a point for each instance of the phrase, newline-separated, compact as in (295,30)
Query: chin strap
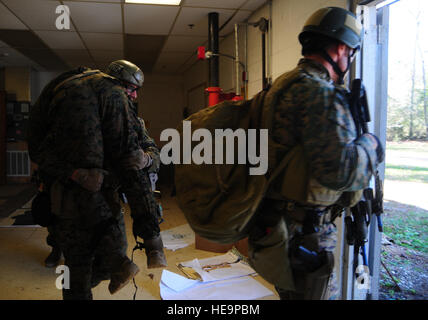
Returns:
(340,74)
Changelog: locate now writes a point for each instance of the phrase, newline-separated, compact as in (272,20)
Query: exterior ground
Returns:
(404,270)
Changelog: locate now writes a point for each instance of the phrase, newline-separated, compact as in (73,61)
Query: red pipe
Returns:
(214,95)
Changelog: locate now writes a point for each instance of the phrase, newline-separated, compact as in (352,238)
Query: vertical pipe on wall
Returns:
(246,62)
(213,47)
(265,82)
(237,82)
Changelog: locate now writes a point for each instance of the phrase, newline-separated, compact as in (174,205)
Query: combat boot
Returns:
(53,258)
(119,279)
(154,252)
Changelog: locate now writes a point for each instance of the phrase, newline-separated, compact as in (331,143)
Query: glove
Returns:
(139,160)
(153,178)
(89,179)
(379,148)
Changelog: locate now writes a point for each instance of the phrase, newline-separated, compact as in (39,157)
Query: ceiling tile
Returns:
(70,55)
(96,17)
(240,16)
(46,58)
(166,69)
(103,41)
(37,14)
(173,58)
(22,39)
(225,4)
(82,63)
(106,56)
(11,57)
(112,1)
(199,18)
(183,43)
(143,43)
(253,4)
(31,46)
(61,39)
(143,50)
(146,19)
(8,20)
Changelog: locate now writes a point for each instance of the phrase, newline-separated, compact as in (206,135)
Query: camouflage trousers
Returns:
(269,254)
(90,253)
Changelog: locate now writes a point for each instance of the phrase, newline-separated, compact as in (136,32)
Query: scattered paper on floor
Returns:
(216,268)
(178,237)
(176,287)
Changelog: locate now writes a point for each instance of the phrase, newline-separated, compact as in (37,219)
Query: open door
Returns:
(372,67)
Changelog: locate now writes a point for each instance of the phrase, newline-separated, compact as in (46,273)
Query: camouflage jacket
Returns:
(314,112)
(147,143)
(39,123)
(89,125)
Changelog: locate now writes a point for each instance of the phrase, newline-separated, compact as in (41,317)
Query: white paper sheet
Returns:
(176,282)
(242,288)
(178,237)
(218,268)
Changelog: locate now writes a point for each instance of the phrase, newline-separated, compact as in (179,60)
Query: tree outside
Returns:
(407,69)
(404,271)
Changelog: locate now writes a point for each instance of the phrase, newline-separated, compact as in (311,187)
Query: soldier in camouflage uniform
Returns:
(36,133)
(313,112)
(89,129)
(152,240)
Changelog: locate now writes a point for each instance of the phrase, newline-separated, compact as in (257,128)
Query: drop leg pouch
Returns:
(268,256)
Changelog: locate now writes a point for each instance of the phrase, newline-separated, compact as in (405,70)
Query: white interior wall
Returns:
(161,102)
(39,79)
(195,78)
(227,65)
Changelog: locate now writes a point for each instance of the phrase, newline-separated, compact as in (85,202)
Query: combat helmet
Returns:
(336,23)
(126,71)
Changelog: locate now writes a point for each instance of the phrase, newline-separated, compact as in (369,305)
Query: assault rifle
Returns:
(371,203)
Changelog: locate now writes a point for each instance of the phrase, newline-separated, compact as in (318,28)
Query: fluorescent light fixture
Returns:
(162,2)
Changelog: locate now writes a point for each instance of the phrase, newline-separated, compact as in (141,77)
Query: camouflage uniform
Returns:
(312,112)
(91,126)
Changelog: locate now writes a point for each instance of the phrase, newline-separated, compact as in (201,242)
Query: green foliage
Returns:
(409,229)
(398,119)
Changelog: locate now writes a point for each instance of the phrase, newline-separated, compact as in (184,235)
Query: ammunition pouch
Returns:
(41,209)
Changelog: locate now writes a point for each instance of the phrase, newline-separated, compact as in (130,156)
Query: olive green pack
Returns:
(219,200)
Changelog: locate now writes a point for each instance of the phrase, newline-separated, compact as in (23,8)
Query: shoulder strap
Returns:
(282,165)
(77,76)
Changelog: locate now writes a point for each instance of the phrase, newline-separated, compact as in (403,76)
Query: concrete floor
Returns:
(24,276)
